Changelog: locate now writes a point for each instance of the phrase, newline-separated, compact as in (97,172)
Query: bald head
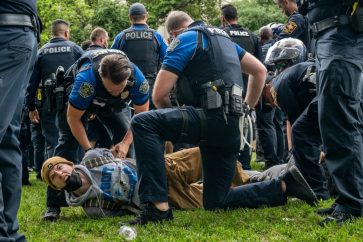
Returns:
(265,34)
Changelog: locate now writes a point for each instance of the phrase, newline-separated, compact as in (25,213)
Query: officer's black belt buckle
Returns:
(328,23)
(10,19)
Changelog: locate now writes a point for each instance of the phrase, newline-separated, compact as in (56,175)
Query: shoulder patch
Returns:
(86,90)
(124,94)
(173,44)
(290,27)
(144,88)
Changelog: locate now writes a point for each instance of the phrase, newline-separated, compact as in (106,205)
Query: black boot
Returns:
(150,213)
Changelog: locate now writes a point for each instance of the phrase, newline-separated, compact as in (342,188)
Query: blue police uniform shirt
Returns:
(182,49)
(117,45)
(296,27)
(88,78)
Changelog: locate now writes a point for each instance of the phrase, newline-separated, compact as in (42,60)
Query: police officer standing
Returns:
(144,46)
(18,29)
(337,27)
(297,25)
(59,51)
(210,64)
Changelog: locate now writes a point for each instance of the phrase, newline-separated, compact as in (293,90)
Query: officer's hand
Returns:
(120,150)
(34,116)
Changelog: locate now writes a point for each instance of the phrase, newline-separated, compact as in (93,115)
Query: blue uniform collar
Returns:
(57,39)
(196,23)
(139,26)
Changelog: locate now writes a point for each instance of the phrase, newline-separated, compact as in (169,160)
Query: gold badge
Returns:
(289,27)
(86,90)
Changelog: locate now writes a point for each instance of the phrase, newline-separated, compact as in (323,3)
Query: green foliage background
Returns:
(112,15)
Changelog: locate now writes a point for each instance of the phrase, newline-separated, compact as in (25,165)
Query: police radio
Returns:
(59,90)
(49,87)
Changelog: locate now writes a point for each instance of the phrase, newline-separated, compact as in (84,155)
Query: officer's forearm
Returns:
(254,89)
(163,103)
(79,133)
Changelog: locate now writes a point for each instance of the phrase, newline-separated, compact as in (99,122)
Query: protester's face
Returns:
(60,174)
(112,88)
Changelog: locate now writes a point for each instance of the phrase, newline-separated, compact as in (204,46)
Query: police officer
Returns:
(143,45)
(97,133)
(210,66)
(59,51)
(337,27)
(105,82)
(293,90)
(297,25)
(249,42)
(18,30)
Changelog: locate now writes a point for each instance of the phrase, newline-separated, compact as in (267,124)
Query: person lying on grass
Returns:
(106,186)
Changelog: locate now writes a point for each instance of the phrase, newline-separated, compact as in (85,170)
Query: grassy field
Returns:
(295,221)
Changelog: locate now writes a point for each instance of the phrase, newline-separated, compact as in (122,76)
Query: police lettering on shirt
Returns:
(238,33)
(139,35)
(217,31)
(56,50)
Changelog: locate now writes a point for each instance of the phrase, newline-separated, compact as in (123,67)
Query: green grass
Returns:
(295,221)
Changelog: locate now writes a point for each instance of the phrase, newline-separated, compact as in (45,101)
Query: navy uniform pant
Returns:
(219,152)
(306,143)
(38,142)
(49,130)
(340,75)
(17,56)
(270,134)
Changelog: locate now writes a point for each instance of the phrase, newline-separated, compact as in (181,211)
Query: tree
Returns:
(254,14)
(77,13)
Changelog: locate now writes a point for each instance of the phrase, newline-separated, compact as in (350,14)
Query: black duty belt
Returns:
(328,23)
(10,19)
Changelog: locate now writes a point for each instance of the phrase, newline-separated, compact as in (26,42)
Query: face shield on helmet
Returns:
(288,50)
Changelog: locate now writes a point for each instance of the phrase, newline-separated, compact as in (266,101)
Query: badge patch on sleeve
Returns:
(289,27)
(86,90)
(173,44)
(124,94)
(144,88)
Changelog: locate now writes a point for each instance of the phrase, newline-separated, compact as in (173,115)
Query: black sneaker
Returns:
(51,214)
(337,217)
(297,186)
(326,211)
(150,213)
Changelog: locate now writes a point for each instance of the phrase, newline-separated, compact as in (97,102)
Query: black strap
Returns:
(328,23)
(203,126)
(185,126)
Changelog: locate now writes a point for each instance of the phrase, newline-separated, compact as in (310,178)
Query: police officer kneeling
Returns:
(210,64)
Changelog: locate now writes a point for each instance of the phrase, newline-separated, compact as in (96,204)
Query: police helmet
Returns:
(286,50)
